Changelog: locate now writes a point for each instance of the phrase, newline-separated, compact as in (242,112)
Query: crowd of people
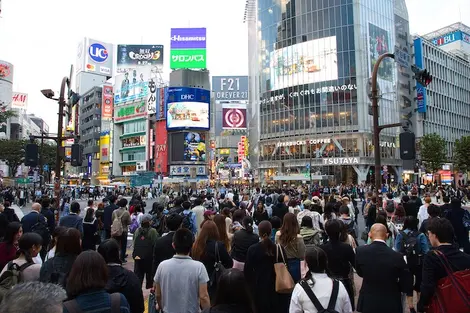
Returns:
(272,250)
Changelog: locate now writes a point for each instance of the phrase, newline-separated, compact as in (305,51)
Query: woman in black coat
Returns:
(90,230)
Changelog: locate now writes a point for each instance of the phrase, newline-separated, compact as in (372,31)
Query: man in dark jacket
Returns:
(441,236)
(107,216)
(385,275)
(30,219)
(48,214)
(281,208)
(456,217)
(413,204)
(163,248)
(10,213)
(73,220)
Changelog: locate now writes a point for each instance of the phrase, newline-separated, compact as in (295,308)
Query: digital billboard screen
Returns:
(194,147)
(187,108)
(304,63)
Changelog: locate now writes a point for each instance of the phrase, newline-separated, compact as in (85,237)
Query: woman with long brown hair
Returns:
(290,239)
(219,220)
(209,250)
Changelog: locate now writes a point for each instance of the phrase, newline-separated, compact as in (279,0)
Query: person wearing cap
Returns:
(208,216)
(317,219)
(144,240)
(345,200)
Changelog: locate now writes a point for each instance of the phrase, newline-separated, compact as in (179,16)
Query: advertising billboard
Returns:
(107,103)
(104,147)
(132,85)
(133,56)
(185,170)
(160,98)
(304,63)
(194,147)
(451,37)
(230,87)
(136,141)
(234,116)
(188,59)
(379,43)
(188,38)
(420,89)
(137,110)
(187,108)
(95,57)
(6,71)
(19,100)
(161,147)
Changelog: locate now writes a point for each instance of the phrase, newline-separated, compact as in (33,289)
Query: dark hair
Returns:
(137,208)
(264,231)
(400,211)
(410,223)
(280,199)
(12,229)
(90,212)
(197,201)
(122,203)
(292,203)
(58,231)
(89,272)
(173,221)
(219,220)
(289,229)
(446,199)
(75,207)
(6,204)
(209,231)
(109,250)
(248,224)
(381,219)
(329,209)
(226,212)
(232,289)
(69,242)
(405,199)
(442,229)
(317,261)
(186,205)
(238,215)
(183,241)
(306,222)
(45,202)
(276,222)
(26,242)
(90,202)
(344,209)
(333,229)
(112,198)
(434,210)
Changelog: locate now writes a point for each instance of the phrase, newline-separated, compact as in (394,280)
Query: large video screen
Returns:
(304,63)
(194,147)
(187,108)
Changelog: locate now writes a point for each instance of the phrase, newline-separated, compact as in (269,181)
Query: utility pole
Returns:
(60,122)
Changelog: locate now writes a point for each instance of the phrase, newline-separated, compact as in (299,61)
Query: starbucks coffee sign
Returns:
(340,161)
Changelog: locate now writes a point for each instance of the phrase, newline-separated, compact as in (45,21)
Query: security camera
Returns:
(48,93)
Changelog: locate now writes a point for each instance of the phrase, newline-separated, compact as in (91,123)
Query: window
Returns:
(134,127)
(134,156)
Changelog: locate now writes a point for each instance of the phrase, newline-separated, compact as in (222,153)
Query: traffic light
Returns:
(77,155)
(422,76)
(73,98)
(407,146)
(31,155)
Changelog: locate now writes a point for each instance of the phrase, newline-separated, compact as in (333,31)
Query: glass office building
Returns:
(309,88)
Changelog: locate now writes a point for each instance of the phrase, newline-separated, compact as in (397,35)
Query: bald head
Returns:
(378,231)
(36,207)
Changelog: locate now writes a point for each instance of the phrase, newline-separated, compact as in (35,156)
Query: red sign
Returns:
(107,102)
(234,118)
(161,150)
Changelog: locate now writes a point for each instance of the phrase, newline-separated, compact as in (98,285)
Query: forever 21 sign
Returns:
(230,88)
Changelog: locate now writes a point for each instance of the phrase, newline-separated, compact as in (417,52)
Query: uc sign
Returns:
(98,52)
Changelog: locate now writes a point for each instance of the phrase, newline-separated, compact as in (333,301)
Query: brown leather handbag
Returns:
(284,281)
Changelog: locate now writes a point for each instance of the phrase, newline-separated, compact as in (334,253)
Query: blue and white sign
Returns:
(421,99)
(89,164)
(420,89)
(187,108)
(402,57)
(98,52)
(452,37)
(95,57)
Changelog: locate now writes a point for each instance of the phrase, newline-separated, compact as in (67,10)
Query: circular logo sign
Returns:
(98,53)
(234,118)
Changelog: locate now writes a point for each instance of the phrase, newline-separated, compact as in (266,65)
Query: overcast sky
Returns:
(40,37)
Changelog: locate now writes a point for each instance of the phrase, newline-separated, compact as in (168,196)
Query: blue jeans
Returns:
(293,265)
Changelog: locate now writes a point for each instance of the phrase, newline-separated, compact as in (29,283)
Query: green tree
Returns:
(12,153)
(433,151)
(462,153)
(48,152)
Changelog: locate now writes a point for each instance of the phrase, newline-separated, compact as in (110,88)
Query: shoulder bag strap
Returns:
(282,254)
(72,306)
(115,302)
(217,255)
(25,266)
(334,295)
(311,296)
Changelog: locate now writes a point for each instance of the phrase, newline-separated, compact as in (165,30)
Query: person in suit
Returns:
(107,216)
(30,219)
(385,275)
(73,220)
(163,248)
(441,237)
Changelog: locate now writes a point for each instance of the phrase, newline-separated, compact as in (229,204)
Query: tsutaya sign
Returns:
(340,161)
(303,142)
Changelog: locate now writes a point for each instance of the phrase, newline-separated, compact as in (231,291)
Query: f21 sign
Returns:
(228,88)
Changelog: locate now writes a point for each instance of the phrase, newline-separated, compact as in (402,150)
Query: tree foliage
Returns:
(462,154)
(5,114)
(48,152)
(433,152)
(12,153)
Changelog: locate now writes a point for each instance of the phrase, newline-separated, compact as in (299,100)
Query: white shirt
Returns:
(301,303)
(422,214)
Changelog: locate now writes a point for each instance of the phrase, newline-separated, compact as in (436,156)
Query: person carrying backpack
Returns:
(144,240)
(189,218)
(413,245)
(23,268)
(121,221)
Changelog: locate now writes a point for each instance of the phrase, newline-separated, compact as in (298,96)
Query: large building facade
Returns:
(309,89)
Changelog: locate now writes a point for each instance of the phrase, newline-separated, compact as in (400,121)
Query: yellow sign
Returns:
(224,151)
(104,148)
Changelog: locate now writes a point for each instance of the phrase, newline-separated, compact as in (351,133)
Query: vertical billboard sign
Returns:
(95,57)
(161,147)
(161,95)
(104,147)
(404,74)
(107,103)
(133,56)
(379,43)
(420,89)
(188,48)
(228,88)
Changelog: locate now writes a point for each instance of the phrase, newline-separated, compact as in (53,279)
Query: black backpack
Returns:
(410,248)
(187,220)
(143,245)
(41,228)
(314,299)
